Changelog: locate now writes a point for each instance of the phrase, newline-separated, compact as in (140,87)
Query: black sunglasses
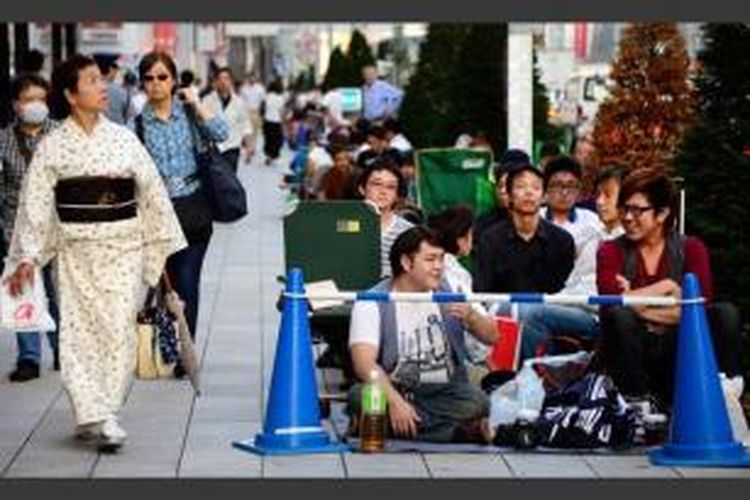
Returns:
(163,77)
(633,209)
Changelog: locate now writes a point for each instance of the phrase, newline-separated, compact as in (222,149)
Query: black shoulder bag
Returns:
(225,192)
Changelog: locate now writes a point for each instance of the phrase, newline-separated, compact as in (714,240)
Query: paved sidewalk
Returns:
(174,434)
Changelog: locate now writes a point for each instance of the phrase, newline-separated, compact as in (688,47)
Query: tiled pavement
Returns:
(174,434)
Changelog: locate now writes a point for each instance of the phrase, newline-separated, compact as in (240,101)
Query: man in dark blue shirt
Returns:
(525,253)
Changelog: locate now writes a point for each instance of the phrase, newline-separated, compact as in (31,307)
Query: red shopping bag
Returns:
(506,351)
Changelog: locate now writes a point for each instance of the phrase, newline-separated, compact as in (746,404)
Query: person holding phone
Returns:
(166,127)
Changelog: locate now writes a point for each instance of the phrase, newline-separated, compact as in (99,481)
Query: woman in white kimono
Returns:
(93,201)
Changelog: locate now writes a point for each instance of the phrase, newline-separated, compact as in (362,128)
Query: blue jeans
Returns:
(29,343)
(540,321)
(184,269)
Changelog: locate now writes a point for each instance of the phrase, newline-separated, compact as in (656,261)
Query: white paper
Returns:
(325,286)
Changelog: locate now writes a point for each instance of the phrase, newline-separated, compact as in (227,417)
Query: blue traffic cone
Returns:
(292,423)
(700,434)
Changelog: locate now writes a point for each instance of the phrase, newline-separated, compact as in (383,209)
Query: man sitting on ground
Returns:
(418,349)
(650,259)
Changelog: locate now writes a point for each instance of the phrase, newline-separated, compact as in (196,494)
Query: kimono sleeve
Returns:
(161,232)
(35,232)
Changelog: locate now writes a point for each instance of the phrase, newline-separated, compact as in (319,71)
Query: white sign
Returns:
(520,92)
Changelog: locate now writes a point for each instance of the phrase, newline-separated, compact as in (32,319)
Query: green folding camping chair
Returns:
(338,241)
(450,176)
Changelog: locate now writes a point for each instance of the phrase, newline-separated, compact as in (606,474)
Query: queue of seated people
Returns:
(432,357)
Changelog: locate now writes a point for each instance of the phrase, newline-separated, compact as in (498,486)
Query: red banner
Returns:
(580,40)
(165,37)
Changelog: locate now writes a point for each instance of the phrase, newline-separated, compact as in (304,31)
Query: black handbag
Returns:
(226,195)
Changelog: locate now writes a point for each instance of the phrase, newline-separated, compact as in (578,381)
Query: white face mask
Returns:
(34,112)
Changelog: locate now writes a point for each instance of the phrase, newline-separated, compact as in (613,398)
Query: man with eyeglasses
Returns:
(381,184)
(562,177)
(650,259)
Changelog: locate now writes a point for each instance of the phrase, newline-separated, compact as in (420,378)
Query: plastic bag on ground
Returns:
(520,398)
(732,389)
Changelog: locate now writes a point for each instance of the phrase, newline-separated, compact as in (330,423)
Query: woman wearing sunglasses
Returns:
(93,204)
(169,125)
(651,259)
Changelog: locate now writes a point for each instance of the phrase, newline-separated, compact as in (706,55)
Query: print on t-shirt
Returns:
(422,341)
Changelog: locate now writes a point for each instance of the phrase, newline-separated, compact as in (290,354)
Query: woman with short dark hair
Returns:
(171,121)
(93,202)
(455,230)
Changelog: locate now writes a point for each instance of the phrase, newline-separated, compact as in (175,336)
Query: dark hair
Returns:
(392,125)
(408,243)
(377,131)
(561,164)
(65,77)
(152,59)
(106,62)
(337,147)
(509,159)
(549,149)
(224,69)
(24,81)
(276,86)
(130,79)
(613,171)
(382,163)
(516,170)
(656,186)
(187,77)
(408,158)
(450,225)
(32,61)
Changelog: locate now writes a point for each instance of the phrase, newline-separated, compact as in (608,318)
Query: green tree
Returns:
(543,130)
(479,84)
(336,75)
(714,159)
(459,85)
(358,55)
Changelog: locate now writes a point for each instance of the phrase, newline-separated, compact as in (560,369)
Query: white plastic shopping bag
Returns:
(732,389)
(28,311)
(519,398)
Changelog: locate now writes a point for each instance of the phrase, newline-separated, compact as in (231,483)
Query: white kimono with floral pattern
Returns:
(100,266)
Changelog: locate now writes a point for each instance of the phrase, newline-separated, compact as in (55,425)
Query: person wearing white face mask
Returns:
(17,144)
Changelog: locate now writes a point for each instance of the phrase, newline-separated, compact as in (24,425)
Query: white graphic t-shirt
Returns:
(421,338)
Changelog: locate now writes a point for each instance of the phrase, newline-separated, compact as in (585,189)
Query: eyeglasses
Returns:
(163,77)
(571,188)
(635,210)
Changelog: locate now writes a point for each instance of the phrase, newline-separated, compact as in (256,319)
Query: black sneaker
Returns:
(25,371)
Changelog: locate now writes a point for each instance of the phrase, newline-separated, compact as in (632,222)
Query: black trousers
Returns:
(273,139)
(642,362)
